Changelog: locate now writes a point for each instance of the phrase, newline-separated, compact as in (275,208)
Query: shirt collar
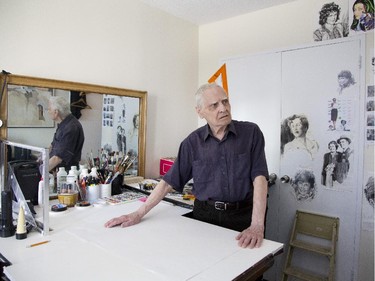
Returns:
(66,120)
(231,129)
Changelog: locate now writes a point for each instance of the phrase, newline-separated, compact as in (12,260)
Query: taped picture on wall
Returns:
(332,21)
(361,16)
(295,137)
(339,114)
(303,185)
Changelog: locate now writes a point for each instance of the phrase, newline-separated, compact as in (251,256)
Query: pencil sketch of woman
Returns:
(330,25)
(295,129)
(345,80)
(331,159)
(303,185)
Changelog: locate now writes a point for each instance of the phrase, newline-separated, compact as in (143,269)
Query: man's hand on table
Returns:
(251,237)
(124,220)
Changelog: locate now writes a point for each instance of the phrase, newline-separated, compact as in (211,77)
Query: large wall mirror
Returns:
(113,119)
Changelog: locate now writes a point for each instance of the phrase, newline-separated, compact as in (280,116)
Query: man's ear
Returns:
(198,110)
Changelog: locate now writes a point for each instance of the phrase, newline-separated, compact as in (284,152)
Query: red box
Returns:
(165,164)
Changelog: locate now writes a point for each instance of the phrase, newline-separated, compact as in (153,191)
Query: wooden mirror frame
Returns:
(11,79)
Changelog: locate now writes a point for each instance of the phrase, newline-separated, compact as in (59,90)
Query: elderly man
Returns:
(66,147)
(226,160)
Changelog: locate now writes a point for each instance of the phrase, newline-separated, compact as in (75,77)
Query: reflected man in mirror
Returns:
(66,147)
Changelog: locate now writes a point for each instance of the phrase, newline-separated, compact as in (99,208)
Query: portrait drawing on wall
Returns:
(303,185)
(295,137)
(362,16)
(333,22)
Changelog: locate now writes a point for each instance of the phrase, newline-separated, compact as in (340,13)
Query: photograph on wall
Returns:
(339,117)
(336,162)
(368,204)
(370,117)
(331,20)
(361,16)
(28,107)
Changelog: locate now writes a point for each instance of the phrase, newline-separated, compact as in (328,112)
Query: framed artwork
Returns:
(27,107)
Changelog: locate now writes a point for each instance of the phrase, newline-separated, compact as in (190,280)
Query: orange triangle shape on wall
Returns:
(220,77)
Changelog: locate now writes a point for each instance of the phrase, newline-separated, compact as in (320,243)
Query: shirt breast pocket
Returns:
(242,165)
(203,171)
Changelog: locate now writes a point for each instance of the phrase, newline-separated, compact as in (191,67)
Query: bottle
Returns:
(61,178)
(40,192)
(94,172)
(72,177)
(81,167)
(52,189)
(84,173)
(74,168)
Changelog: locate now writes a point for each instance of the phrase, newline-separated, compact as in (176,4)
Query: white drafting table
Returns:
(164,246)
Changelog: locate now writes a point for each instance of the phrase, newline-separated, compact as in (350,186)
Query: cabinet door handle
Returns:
(285,179)
(272,179)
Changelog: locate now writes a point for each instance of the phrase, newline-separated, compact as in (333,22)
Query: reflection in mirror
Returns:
(120,124)
(113,119)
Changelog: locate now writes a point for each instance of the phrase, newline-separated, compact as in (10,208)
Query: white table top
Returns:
(164,246)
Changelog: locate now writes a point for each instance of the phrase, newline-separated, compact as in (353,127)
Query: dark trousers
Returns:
(237,220)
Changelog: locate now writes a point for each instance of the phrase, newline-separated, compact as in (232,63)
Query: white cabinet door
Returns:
(269,89)
(322,180)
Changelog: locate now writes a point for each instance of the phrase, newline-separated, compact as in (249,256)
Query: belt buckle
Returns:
(221,206)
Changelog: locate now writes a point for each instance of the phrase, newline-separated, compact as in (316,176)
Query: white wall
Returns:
(115,43)
(271,29)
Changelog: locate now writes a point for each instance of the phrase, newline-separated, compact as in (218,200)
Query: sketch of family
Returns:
(336,162)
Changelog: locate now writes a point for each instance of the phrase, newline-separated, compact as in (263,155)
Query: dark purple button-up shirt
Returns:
(68,142)
(221,170)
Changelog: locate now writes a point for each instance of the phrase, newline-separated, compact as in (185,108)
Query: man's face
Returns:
(344,143)
(215,108)
(52,113)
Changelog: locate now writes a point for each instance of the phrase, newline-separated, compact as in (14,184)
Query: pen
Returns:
(37,244)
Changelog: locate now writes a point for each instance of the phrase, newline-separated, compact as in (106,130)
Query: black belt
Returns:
(227,206)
